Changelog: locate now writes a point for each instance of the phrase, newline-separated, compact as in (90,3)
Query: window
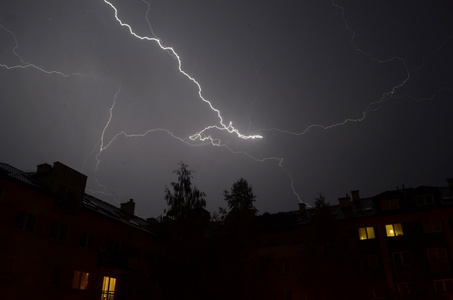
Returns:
(438,259)
(377,292)
(7,265)
(403,289)
(25,221)
(366,233)
(432,225)
(80,280)
(56,276)
(443,285)
(369,262)
(58,231)
(108,288)
(389,204)
(284,295)
(394,229)
(285,266)
(402,261)
(423,200)
(86,240)
(65,199)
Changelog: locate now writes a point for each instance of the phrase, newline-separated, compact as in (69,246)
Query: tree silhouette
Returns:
(240,199)
(183,198)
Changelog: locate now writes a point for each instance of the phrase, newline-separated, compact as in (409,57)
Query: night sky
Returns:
(346,95)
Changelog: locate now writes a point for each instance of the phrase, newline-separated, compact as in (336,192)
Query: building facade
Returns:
(60,243)
(395,245)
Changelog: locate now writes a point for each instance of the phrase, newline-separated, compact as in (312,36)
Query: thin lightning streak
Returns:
(200,134)
(26,65)
(375,105)
(146,18)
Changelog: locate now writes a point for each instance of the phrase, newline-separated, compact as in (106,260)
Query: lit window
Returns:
(25,221)
(80,280)
(108,288)
(366,233)
(394,229)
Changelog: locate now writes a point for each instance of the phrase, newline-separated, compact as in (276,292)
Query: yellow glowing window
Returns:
(108,288)
(366,233)
(394,229)
(80,280)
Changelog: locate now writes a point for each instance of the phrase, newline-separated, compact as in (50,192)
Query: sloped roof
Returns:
(90,203)
(17,174)
(98,206)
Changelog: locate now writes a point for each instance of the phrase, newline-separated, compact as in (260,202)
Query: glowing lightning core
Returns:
(199,135)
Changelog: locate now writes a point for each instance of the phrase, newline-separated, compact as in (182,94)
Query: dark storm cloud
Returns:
(263,64)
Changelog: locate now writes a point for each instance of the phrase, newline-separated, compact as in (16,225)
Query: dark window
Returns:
(369,262)
(58,231)
(403,289)
(432,225)
(25,221)
(423,200)
(389,204)
(87,240)
(56,275)
(65,199)
(402,261)
(7,265)
(444,285)
(20,219)
(438,259)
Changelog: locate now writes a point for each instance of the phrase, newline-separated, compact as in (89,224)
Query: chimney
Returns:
(128,207)
(43,169)
(355,195)
(302,207)
(345,201)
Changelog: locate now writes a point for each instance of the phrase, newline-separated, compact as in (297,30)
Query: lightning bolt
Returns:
(388,95)
(25,65)
(200,135)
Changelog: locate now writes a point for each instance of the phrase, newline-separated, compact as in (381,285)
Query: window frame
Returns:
(59,232)
(438,259)
(404,266)
(80,280)
(393,231)
(24,220)
(369,261)
(366,233)
(87,240)
(432,225)
(106,292)
(444,287)
(390,204)
(426,200)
